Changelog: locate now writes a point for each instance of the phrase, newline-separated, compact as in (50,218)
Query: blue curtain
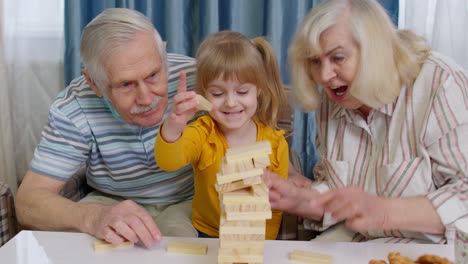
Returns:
(185,23)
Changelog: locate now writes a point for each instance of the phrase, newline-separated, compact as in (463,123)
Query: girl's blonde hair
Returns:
(388,59)
(228,55)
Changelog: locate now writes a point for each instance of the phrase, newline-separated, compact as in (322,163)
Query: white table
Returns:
(38,247)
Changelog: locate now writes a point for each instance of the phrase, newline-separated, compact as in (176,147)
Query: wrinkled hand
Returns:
(360,210)
(292,197)
(125,221)
(300,181)
(183,109)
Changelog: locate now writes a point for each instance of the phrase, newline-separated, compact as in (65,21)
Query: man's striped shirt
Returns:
(119,158)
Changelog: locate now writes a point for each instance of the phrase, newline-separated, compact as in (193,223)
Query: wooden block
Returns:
(260,190)
(260,206)
(261,162)
(245,165)
(224,243)
(261,146)
(241,237)
(187,248)
(253,180)
(260,149)
(242,230)
(240,255)
(240,184)
(226,178)
(101,245)
(247,156)
(230,216)
(309,257)
(203,104)
(227,168)
(251,223)
(247,195)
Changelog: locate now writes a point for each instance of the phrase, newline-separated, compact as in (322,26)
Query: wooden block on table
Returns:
(309,257)
(187,248)
(248,255)
(203,104)
(101,245)
(247,227)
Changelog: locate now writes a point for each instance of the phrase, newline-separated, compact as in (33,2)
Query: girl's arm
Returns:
(183,109)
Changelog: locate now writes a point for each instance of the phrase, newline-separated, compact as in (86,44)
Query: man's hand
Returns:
(123,221)
(184,107)
(360,210)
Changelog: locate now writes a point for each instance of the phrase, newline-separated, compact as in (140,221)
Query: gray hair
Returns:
(112,29)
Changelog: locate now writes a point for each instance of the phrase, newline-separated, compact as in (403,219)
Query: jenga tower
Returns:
(244,204)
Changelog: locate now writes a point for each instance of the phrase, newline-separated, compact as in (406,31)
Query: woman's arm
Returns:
(362,211)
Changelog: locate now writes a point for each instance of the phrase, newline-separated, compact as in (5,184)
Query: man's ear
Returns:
(91,83)
(164,44)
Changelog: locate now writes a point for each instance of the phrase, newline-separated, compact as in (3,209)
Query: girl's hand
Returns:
(184,107)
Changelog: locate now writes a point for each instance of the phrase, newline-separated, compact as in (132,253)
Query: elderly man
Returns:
(106,121)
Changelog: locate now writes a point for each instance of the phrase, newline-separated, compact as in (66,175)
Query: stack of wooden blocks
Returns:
(244,204)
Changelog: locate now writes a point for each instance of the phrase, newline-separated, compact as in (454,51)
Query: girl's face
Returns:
(336,67)
(234,103)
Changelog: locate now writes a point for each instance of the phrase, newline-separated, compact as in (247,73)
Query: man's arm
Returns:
(39,206)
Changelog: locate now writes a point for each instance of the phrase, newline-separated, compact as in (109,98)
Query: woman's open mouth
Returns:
(339,92)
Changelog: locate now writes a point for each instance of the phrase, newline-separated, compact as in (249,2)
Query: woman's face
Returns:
(335,68)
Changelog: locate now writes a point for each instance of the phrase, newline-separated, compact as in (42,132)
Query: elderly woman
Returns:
(392,129)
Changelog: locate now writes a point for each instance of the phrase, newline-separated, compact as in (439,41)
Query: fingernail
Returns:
(158,237)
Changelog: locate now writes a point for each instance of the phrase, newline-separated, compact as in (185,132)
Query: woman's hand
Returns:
(292,197)
(361,211)
(296,178)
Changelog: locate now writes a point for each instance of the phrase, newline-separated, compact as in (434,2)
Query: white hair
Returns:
(114,28)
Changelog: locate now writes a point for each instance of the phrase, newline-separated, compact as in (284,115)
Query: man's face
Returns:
(138,82)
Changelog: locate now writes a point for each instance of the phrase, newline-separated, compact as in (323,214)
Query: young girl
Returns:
(240,78)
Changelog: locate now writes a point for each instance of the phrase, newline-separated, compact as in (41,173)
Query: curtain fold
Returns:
(32,47)
(7,160)
(442,23)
